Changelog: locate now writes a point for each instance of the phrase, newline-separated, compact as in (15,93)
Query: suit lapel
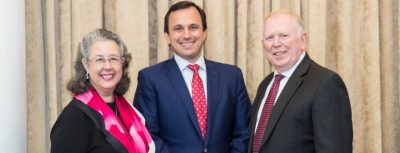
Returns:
(177,81)
(291,87)
(256,106)
(212,95)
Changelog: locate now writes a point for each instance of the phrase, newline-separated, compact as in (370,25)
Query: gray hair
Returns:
(295,16)
(98,35)
(79,83)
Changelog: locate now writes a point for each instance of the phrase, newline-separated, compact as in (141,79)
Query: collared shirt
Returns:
(187,73)
(282,84)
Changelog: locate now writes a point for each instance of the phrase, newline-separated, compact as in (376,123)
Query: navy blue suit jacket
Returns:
(164,99)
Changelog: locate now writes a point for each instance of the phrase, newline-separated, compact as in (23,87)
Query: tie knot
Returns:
(194,67)
(279,77)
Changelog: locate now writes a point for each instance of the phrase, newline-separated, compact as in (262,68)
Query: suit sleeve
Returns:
(146,102)
(332,123)
(240,132)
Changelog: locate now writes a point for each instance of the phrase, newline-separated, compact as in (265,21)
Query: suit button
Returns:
(205,150)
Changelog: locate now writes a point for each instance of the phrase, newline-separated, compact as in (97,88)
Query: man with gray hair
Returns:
(301,107)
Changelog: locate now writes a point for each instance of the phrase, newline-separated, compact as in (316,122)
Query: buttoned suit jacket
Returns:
(164,99)
(311,115)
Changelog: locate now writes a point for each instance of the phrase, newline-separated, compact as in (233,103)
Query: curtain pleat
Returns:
(133,27)
(163,52)
(67,53)
(388,69)
(241,36)
(220,39)
(315,13)
(36,78)
(357,39)
(51,65)
(255,66)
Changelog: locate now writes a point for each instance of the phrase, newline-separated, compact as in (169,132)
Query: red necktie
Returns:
(266,111)
(199,99)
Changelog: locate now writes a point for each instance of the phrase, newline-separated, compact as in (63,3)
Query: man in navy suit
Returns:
(301,107)
(165,90)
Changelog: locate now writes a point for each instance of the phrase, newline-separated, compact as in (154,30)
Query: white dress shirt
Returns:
(282,85)
(187,73)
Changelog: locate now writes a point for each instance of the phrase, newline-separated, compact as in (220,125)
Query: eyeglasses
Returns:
(101,60)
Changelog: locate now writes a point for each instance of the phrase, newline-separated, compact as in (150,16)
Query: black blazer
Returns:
(312,114)
(81,129)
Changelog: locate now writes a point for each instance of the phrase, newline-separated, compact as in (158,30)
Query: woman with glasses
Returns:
(99,119)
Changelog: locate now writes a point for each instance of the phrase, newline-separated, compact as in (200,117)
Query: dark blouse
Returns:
(80,129)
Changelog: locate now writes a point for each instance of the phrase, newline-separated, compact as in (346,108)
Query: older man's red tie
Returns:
(266,111)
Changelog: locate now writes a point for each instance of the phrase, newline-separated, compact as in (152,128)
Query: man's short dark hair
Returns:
(183,5)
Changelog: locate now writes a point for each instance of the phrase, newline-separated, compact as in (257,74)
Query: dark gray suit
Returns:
(312,114)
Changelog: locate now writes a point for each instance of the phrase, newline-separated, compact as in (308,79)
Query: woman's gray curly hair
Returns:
(79,83)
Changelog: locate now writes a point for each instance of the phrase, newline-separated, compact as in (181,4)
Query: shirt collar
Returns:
(183,63)
(289,72)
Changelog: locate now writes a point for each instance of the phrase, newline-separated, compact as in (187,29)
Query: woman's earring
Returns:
(87,76)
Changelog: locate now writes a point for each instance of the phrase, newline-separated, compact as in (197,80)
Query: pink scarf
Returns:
(138,139)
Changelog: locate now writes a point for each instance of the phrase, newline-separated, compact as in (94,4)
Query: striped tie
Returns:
(266,111)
